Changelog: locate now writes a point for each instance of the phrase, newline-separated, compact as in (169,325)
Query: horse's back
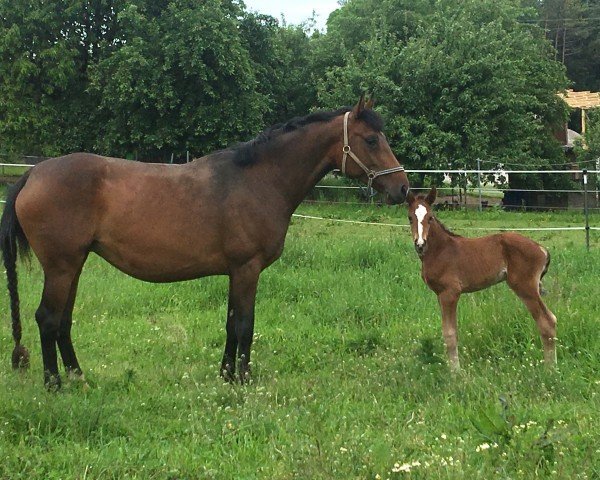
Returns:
(519,246)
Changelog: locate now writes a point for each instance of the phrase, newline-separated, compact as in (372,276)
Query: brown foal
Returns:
(452,265)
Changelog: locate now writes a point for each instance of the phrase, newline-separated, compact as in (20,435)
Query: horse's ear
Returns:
(360,106)
(370,103)
(431,195)
(410,197)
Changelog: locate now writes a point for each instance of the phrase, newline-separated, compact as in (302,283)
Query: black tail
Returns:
(11,235)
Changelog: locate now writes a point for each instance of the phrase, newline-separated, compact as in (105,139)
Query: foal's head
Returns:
(420,216)
(364,153)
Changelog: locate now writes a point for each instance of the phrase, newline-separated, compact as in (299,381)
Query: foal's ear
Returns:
(360,106)
(370,103)
(430,198)
(410,197)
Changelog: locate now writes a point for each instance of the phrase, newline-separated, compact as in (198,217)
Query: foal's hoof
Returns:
(52,382)
(455,368)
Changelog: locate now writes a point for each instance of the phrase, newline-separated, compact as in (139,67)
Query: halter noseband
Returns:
(371,174)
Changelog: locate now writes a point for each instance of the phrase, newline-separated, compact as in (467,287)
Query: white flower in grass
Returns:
(485,446)
(405,467)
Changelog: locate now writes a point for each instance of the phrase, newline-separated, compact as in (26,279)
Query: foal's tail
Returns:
(542,291)
(11,235)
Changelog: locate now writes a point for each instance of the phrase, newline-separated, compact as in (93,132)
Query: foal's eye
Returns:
(430,219)
(410,219)
(372,141)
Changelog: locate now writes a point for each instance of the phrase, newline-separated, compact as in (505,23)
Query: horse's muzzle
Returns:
(397,195)
(420,249)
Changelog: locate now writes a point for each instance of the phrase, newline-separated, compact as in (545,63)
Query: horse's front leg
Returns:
(231,344)
(240,320)
(448,301)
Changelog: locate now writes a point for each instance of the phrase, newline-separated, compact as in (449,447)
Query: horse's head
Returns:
(420,216)
(364,153)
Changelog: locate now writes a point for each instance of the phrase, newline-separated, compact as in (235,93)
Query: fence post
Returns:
(586,210)
(479,180)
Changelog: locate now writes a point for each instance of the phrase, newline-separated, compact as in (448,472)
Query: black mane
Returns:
(247,153)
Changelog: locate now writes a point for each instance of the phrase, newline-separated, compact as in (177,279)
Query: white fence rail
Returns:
(479,188)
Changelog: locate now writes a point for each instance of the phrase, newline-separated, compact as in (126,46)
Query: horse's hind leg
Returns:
(57,286)
(65,345)
(529,293)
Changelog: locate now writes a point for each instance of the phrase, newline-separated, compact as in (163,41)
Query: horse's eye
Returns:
(410,219)
(372,140)
(430,219)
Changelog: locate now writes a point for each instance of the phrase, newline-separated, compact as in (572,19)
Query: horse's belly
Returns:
(161,263)
(482,281)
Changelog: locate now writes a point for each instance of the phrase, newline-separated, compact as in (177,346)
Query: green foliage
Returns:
(590,149)
(467,82)
(144,79)
(573,28)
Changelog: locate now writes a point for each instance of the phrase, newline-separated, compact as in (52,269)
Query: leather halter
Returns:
(371,174)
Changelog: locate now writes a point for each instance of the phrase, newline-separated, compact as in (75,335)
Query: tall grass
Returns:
(350,379)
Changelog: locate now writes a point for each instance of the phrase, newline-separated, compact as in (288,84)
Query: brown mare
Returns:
(451,265)
(223,214)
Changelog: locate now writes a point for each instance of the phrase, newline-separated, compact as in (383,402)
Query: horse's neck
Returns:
(299,162)
(438,239)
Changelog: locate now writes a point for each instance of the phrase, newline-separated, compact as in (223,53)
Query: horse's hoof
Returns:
(227,374)
(52,382)
(245,378)
(75,375)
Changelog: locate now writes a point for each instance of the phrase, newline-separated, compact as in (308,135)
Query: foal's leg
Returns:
(240,317)
(448,300)
(57,285)
(544,318)
(65,344)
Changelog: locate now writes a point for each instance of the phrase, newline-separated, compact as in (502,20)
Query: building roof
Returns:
(583,100)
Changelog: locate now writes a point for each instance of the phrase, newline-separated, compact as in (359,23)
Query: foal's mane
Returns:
(247,153)
(445,229)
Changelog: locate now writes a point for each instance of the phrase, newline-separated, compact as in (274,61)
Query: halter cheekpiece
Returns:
(371,174)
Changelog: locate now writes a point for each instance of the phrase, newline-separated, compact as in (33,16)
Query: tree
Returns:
(281,57)
(182,80)
(472,81)
(573,27)
(45,50)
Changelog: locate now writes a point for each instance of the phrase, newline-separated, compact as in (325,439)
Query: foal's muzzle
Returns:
(421,248)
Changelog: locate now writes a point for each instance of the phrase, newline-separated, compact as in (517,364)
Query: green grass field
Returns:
(350,380)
